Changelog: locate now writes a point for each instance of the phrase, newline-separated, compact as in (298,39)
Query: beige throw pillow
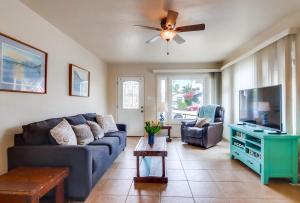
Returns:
(63,133)
(97,131)
(201,122)
(83,134)
(107,123)
(100,121)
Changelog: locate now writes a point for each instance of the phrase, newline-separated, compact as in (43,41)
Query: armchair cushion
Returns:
(196,132)
(189,123)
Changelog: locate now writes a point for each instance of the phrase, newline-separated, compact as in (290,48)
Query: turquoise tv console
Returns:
(269,155)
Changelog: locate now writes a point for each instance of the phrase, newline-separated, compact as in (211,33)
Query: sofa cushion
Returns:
(76,120)
(97,131)
(38,133)
(83,134)
(90,117)
(111,142)
(121,135)
(64,134)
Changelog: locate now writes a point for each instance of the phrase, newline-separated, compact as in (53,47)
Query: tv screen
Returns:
(261,106)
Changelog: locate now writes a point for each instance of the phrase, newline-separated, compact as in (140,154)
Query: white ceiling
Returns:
(105,27)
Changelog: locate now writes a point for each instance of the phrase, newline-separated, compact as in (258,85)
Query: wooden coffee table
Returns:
(152,168)
(29,184)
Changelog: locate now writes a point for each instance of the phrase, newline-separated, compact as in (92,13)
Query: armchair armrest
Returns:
(214,134)
(122,127)
(77,158)
(188,123)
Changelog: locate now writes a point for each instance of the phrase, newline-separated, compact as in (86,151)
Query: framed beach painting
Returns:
(79,81)
(23,68)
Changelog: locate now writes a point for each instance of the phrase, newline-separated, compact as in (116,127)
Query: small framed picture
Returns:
(79,81)
(23,68)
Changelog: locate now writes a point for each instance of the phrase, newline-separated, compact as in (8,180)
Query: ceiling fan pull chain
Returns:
(168,48)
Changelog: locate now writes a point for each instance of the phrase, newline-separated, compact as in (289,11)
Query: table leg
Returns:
(163,166)
(60,193)
(137,166)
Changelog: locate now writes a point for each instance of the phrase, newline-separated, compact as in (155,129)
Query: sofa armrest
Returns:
(18,140)
(188,123)
(122,127)
(77,158)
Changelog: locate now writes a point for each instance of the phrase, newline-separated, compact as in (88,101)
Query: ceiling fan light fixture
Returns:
(168,34)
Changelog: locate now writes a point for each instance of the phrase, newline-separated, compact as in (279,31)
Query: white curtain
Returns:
(273,65)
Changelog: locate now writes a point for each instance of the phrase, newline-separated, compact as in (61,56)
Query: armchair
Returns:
(207,136)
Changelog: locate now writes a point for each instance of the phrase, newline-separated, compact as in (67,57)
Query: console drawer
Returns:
(243,157)
(252,164)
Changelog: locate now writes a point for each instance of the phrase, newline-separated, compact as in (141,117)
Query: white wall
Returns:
(17,109)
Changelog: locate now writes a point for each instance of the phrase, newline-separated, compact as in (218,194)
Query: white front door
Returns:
(131,104)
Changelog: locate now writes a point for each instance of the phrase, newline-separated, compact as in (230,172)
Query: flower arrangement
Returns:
(152,127)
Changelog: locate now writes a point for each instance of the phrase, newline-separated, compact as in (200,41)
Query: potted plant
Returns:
(152,127)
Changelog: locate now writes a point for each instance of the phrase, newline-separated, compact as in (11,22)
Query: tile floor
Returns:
(195,175)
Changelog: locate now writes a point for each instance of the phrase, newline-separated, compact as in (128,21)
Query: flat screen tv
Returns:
(262,106)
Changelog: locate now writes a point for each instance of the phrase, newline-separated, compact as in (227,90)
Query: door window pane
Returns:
(187,97)
(131,95)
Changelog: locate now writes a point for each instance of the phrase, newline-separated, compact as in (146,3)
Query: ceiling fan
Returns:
(169,31)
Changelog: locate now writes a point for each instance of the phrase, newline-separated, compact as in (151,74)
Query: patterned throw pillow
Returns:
(63,133)
(83,134)
(201,122)
(107,123)
(97,131)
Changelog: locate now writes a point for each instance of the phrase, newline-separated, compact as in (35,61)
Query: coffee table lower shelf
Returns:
(151,179)
(151,169)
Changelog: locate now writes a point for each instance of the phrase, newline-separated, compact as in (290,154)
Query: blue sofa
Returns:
(34,147)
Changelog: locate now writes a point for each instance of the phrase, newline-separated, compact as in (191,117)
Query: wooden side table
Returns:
(29,184)
(167,127)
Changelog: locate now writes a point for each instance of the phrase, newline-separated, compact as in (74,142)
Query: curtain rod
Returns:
(207,70)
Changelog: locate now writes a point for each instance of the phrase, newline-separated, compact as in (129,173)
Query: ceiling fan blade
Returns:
(171,18)
(190,28)
(148,27)
(153,39)
(178,39)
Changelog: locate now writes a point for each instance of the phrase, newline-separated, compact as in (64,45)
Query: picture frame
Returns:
(23,68)
(79,81)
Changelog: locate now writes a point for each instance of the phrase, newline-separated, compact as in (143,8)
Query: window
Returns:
(187,97)
(182,96)
(130,95)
